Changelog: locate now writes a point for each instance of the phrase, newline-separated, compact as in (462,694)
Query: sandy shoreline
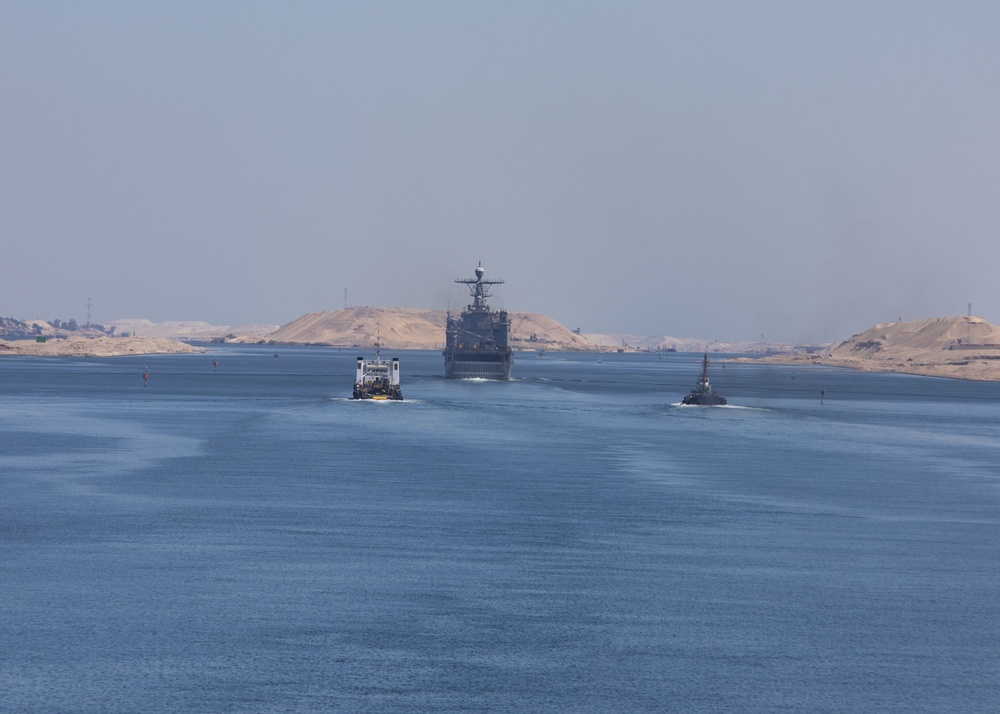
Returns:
(96,347)
(975,370)
(963,347)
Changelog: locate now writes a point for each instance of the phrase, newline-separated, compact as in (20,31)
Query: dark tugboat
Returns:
(477,343)
(377,379)
(702,395)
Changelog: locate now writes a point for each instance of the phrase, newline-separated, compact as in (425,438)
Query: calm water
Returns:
(248,540)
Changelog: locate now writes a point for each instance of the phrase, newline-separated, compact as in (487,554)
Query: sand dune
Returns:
(186,330)
(959,347)
(413,328)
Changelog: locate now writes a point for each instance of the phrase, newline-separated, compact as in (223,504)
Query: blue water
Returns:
(246,539)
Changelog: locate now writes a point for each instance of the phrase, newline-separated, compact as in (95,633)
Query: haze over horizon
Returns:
(722,170)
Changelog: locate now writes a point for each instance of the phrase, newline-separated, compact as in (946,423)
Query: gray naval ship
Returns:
(477,343)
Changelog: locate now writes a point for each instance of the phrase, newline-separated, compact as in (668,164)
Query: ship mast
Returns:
(479,288)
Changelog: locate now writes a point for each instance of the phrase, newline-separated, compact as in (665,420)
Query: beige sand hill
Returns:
(96,347)
(655,343)
(397,328)
(413,328)
(187,330)
(958,347)
(533,331)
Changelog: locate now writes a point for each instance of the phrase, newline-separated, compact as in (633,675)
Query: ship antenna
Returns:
(479,288)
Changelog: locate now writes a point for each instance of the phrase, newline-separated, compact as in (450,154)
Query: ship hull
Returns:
(378,395)
(704,399)
(477,365)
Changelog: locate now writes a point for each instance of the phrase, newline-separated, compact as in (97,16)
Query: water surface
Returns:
(247,539)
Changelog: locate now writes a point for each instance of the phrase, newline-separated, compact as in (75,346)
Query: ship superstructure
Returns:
(477,342)
(377,379)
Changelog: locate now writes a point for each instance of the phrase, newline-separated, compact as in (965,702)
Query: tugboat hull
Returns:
(378,397)
(702,395)
(704,400)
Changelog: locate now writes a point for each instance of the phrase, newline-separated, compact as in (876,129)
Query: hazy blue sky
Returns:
(725,170)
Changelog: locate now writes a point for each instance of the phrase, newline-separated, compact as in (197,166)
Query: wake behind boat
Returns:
(377,379)
(702,394)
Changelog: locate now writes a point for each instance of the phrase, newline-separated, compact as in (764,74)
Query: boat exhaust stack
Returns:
(395,372)
(361,369)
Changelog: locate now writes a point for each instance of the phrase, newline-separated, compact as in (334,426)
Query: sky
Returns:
(788,171)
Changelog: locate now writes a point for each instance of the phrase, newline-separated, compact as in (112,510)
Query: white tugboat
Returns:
(377,379)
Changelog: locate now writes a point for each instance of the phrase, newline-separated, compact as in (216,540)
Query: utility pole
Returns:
(89,305)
